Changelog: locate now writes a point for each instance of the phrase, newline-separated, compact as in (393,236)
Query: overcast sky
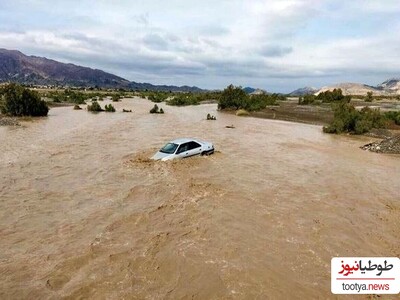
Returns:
(276,45)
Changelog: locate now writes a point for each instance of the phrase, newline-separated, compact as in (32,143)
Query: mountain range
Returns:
(18,67)
(388,87)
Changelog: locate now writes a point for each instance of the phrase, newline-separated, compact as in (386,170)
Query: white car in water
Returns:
(182,148)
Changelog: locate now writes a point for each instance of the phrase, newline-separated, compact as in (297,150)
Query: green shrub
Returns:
(70,96)
(158,97)
(369,97)
(182,99)
(393,116)
(235,98)
(232,98)
(115,98)
(94,107)
(308,99)
(333,96)
(109,108)
(126,110)
(261,101)
(348,119)
(161,111)
(19,101)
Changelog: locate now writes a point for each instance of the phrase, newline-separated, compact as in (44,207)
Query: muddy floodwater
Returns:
(85,214)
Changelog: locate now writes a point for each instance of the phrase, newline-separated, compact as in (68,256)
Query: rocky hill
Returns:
(353,89)
(392,85)
(388,87)
(304,91)
(18,67)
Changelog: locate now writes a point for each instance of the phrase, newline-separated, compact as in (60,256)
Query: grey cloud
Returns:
(274,51)
(215,31)
(155,41)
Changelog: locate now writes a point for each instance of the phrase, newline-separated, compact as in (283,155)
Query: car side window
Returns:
(182,148)
(193,145)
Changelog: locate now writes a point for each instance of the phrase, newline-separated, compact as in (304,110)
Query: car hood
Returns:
(160,156)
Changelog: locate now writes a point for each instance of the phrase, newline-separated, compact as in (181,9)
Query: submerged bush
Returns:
(16,100)
(109,108)
(77,107)
(95,107)
(210,117)
(156,110)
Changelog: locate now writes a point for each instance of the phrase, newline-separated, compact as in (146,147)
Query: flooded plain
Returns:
(85,214)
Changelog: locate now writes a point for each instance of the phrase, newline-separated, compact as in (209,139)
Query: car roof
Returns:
(183,140)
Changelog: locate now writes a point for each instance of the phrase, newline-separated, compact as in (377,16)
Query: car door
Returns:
(194,148)
(183,150)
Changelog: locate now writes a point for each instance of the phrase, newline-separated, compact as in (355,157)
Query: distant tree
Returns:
(232,98)
(333,96)
(19,101)
(369,97)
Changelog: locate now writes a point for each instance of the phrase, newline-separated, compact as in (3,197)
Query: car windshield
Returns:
(169,148)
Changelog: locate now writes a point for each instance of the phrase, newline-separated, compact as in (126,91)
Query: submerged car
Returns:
(182,148)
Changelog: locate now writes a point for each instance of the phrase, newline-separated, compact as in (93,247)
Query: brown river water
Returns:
(85,214)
